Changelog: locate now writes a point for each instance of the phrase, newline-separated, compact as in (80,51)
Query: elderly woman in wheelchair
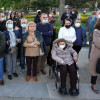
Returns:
(66,56)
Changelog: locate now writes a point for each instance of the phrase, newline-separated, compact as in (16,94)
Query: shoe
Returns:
(35,78)
(87,43)
(43,72)
(95,91)
(27,78)
(21,71)
(1,82)
(73,92)
(15,74)
(9,77)
(63,91)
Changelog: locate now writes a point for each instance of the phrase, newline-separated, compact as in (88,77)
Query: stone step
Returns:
(42,91)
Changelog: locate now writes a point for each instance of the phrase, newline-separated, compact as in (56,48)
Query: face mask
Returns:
(23,25)
(77,25)
(2,19)
(94,16)
(99,16)
(10,25)
(67,26)
(45,21)
(72,12)
(50,15)
(62,46)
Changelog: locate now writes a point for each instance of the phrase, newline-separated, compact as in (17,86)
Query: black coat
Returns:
(3,26)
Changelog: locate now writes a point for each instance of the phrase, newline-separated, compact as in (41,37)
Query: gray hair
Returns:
(23,19)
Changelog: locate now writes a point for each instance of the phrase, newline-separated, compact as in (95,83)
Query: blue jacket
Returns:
(46,31)
(83,35)
(91,27)
(6,33)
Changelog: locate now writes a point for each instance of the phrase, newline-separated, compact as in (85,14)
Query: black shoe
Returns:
(15,74)
(96,91)
(9,77)
(63,91)
(73,92)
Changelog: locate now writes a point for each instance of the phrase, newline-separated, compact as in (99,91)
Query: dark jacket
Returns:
(46,31)
(3,26)
(2,44)
(39,38)
(83,35)
(37,19)
(64,16)
(6,33)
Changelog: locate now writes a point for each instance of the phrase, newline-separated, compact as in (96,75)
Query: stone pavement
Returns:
(45,89)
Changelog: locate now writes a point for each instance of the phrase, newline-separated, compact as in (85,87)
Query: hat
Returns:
(38,11)
(67,7)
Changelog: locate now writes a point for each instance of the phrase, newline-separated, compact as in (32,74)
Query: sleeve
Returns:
(50,33)
(91,27)
(37,42)
(63,17)
(74,36)
(73,52)
(83,36)
(96,39)
(2,43)
(26,44)
(55,57)
(60,34)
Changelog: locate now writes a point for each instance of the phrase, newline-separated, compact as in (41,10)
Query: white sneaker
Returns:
(87,43)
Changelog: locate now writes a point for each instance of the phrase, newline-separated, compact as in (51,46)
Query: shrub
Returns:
(84,17)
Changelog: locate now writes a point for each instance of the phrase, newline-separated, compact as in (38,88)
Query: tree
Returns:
(61,9)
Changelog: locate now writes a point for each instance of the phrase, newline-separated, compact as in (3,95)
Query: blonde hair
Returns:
(30,23)
(9,21)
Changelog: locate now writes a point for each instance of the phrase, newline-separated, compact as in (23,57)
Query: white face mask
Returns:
(99,16)
(61,46)
(77,25)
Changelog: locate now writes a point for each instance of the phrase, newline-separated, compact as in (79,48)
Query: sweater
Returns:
(80,36)
(46,31)
(31,51)
(67,34)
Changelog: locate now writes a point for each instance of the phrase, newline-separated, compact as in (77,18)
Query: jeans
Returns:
(22,62)
(11,61)
(1,68)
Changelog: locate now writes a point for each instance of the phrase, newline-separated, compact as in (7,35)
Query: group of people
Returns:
(36,42)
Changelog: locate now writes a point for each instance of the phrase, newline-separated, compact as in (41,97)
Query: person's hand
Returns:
(75,58)
(32,44)
(63,63)
(18,40)
(9,41)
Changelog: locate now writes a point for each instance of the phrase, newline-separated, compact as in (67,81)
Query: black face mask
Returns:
(67,26)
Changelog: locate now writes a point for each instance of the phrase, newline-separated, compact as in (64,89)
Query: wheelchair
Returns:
(54,71)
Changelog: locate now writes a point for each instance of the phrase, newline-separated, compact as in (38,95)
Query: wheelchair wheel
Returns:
(50,73)
(78,81)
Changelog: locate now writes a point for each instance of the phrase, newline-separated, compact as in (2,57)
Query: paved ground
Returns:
(45,89)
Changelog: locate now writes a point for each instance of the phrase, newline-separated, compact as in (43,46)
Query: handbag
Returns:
(98,66)
(41,52)
(13,50)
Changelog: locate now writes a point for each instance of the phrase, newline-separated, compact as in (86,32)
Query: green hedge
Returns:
(84,17)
